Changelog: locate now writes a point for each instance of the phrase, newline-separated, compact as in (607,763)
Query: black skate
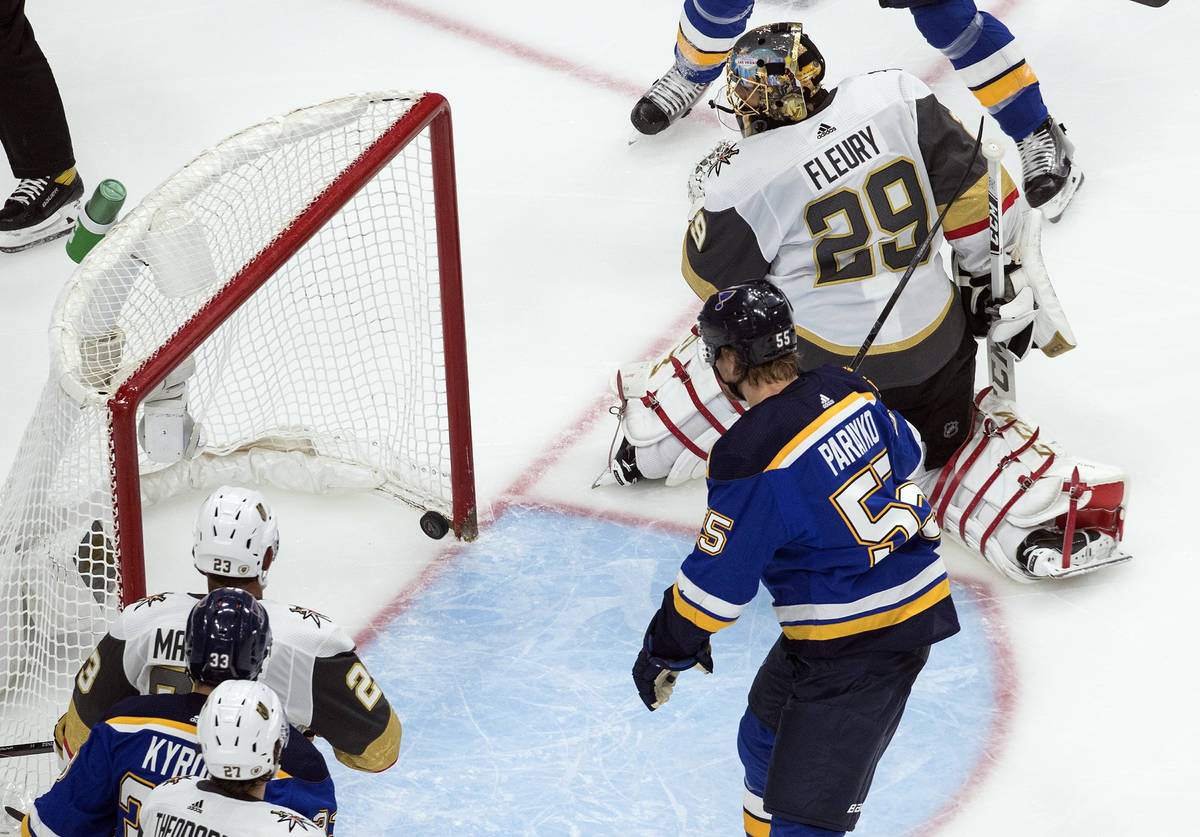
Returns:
(667,101)
(1051,177)
(1040,555)
(40,209)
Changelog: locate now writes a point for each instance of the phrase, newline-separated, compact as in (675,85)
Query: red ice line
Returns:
(1004,675)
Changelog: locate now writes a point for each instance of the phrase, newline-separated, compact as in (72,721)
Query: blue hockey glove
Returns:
(655,677)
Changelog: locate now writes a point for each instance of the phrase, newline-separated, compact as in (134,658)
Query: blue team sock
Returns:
(982,50)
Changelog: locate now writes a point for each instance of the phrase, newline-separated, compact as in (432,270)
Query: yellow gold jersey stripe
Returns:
(697,616)
(816,426)
(128,720)
(701,287)
(880,348)
(876,620)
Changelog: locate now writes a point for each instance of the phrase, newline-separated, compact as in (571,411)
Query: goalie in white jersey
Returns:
(314,666)
(242,731)
(829,195)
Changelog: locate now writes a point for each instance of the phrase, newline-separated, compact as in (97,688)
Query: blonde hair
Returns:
(781,370)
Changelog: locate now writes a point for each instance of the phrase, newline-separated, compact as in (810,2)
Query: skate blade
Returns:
(56,226)
(1054,208)
(1073,571)
(605,478)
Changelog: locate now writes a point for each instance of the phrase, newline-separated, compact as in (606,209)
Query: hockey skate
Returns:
(666,102)
(40,209)
(1051,177)
(1041,553)
(622,462)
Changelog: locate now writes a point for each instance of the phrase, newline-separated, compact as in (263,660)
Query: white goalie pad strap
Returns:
(1008,480)
(687,465)
(674,411)
(1051,331)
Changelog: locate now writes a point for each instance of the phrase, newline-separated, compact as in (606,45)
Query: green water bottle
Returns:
(99,214)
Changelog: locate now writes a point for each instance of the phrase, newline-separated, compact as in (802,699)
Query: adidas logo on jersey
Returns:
(197,806)
(826,401)
(824,130)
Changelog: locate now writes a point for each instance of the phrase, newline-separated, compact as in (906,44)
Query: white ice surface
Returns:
(571,247)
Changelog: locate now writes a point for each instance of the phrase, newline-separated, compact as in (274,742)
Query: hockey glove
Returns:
(1009,323)
(655,677)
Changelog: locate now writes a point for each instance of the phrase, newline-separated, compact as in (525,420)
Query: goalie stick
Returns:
(1158,4)
(922,251)
(32,748)
(1001,362)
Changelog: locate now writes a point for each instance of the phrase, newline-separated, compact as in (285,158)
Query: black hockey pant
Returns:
(33,126)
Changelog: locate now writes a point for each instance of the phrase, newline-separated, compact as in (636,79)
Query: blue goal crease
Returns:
(511,676)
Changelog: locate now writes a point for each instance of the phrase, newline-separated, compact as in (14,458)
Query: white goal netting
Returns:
(316,363)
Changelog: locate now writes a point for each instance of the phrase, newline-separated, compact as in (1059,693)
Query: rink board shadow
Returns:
(510,673)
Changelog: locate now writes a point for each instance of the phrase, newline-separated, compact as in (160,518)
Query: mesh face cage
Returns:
(772,73)
(308,266)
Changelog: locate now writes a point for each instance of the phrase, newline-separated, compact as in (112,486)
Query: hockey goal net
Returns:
(302,280)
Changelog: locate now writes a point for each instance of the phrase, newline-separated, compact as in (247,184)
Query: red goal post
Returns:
(432,112)
(299,288)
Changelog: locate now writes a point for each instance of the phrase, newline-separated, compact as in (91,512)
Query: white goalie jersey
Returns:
(833,210)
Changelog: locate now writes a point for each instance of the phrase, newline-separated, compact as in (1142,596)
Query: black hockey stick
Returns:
(32,748)
(922,252)
(1158,4)
(14,813)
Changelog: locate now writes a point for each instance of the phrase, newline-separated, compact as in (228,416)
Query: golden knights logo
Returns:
(292,820)
(720,156)
(308,613)
(150,601)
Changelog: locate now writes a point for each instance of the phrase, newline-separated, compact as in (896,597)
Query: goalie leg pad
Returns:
(672,412)
(1008,483)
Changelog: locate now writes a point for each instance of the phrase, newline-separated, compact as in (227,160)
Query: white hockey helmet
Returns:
(236,534)
(242,731)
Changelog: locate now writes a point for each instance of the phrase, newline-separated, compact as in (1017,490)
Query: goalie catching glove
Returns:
(1029,314)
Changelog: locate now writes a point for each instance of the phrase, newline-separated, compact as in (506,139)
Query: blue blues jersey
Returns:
(143,742)
(809,493)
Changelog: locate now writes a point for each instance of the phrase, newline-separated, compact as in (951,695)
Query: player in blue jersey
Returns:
(242,732)
(980,47)
(148,739)
(808,494)
(829,193)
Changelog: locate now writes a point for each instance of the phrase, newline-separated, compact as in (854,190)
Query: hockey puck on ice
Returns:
(434,525)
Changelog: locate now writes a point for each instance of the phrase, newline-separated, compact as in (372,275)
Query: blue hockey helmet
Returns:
(753,319)
(228,637)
